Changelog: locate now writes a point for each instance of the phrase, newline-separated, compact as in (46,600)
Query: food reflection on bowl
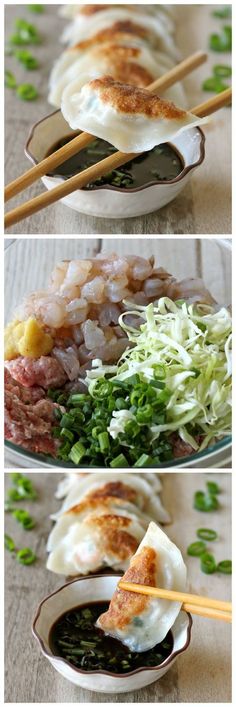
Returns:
(100,589)
(116,201)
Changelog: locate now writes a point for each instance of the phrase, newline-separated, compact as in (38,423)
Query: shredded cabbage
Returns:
(193,345)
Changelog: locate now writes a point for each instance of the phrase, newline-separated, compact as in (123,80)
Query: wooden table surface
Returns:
(203,207)
(202,674)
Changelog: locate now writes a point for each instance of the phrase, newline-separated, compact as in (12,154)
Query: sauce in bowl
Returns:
(75,638)
(162,163)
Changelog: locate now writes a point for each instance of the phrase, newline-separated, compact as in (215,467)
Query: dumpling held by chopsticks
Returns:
(141,621)
(130,118)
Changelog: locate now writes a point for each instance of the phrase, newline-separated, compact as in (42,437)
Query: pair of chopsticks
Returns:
(202,606)
(106,165)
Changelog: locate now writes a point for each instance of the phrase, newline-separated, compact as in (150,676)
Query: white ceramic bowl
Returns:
(100,588)
(114,202)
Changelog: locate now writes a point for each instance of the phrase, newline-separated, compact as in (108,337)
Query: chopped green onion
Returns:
(222,71)
(26,556)
(225,567)
(207,534)
(77,452)
(10,80)
(78,398)
(196,549)
(214,83)
(26,33)
(27,92)
(144,460)
(119,461)
(67,434)
(213,488)
(29,61)
(223,13)
(222,42)
(9,543)
(103,440)
(36,8)
(24,518)
(208,563)
(205,502)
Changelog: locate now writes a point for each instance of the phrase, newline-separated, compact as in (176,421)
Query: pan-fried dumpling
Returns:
(133,64)
(109,505)
(130,118)
(70,12)
(98,542)
(67,483)
(96,28)
(139,621)
(129,487)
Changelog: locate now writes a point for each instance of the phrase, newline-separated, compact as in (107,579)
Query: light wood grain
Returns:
(203,207)
(202,674)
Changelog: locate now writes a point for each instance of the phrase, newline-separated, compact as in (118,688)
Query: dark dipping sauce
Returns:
(162,163)
(75,638)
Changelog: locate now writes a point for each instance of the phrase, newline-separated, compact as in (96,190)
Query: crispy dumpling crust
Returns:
(115,488)
(133,100)
(125,605)
(120,27)
(115,533)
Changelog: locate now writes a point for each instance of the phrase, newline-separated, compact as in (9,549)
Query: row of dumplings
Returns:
(103,519)
(133,44)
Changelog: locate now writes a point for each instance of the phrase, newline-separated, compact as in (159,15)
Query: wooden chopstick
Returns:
(208,613)
(78,143)
(196,604)
(92,173)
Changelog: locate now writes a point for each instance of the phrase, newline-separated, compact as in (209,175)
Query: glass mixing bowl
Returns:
(28,263)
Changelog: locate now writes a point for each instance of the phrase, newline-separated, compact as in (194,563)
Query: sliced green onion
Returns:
(208,563)
(29,61)
(214,83)
(222,71)
(144,460)
(77,452)
(225,566)
(78,398)
(196,549)
(103,440)
(119,461)
(223,13)
(205,502)
(36,8)
(222,42)
(158,384)
(26,556)
(9,543)
(27,92)
(24,518)
(10,80)
(207,534)
(213,488)
(67,434)
(159,371)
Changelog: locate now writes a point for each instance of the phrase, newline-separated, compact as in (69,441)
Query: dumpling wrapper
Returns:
(132,119)
(99,541)
(130,63)
(95,28)
(88,507)
(139,621)
(129,487)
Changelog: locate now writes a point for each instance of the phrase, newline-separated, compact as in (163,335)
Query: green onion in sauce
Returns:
(162,163)
(75,638)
